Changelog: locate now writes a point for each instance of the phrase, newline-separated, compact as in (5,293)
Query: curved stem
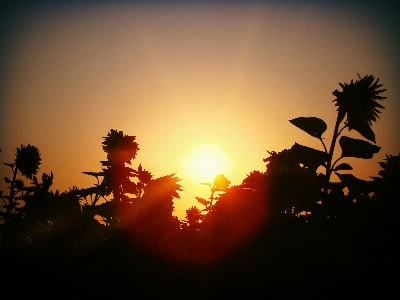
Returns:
(323,144)
(334,164)
(340,131)
(212,197)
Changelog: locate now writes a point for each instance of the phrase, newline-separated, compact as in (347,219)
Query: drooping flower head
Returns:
(358,101)
(27,160)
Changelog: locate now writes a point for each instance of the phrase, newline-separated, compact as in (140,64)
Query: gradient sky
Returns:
(181,75)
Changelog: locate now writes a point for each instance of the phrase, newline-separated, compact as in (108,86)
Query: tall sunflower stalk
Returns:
(357,108)
(356,102)
(221,183)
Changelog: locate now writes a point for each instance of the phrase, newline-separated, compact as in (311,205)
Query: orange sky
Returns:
(177,76)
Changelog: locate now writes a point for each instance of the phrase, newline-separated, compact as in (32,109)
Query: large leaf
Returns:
(343,166)
(363,128)
(312,125)
(307,156)
(357,148)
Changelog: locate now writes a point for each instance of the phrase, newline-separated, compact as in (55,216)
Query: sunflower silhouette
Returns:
(358,101)
(120,148)
(27,160)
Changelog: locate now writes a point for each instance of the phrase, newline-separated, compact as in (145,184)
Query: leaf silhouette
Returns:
(357,148)
(343,166)
(307,156)
(95,174)
(202,201)
(312,125)
(9,165)
(364,129)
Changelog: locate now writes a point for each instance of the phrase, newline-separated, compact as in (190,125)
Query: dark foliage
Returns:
(284,233)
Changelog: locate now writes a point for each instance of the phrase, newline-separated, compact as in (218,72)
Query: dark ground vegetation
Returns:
(285,233)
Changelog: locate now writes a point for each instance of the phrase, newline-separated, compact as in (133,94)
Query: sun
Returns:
(206,161)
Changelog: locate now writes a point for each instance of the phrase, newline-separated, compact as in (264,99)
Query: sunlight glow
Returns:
(204,162)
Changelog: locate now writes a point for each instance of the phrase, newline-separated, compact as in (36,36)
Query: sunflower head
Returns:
(358,101)
(387,185)
(144,176)
(27,160)
(119,147)
(390,168)
(221,182)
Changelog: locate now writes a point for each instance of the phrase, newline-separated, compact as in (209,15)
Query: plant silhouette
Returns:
(220,184)
(139,203)
(357,108)
(26,164)
(287,232)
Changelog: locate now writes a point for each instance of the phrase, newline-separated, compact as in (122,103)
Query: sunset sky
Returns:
(188,78)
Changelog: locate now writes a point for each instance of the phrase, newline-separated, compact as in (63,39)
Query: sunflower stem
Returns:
(329,166)
(7,219)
